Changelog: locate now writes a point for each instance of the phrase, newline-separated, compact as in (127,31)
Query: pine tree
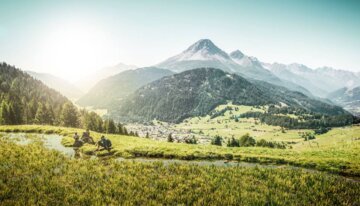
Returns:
(110,126)
(125,131)
(69,115)
(216,140)
(119,129)
(44,115)
(4,113)
(170,138)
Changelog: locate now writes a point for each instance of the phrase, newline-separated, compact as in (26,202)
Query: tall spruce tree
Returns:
(69,115)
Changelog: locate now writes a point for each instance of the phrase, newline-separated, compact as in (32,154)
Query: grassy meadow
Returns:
(336,151)
(225,126)
(33,175)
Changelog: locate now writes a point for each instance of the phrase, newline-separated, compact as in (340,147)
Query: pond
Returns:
(50,141)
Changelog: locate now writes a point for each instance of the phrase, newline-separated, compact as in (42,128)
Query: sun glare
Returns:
(73,49)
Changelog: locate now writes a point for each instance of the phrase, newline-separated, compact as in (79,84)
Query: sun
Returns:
(71,50)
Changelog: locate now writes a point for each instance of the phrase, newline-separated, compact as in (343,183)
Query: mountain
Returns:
(25,100)
(89,81)
(196,92)
(66,88)
(348,98)
(204,53)
(109,92)
(251,67)
(320,81)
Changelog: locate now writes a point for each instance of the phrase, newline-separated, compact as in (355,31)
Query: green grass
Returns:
(336,151)
(227,127)
(32,175)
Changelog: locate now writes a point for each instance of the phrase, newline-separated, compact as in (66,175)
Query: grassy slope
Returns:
(32,175)
(227,127)
(337,151)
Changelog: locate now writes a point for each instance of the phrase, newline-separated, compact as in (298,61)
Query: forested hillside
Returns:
(348,98)
(109,92)
(25,100)
(197,92)
(64,87)
(190,93)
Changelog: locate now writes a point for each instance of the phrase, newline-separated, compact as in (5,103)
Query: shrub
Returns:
(322,130)
(247,141)
(217,140)
(192,140)
(170,138)
(307,136)
(232,142)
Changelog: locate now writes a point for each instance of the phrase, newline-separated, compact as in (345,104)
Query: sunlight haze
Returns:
(72,39)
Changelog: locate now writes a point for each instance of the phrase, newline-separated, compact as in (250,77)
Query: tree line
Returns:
(25,100)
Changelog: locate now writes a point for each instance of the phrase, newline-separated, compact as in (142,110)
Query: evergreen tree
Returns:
(119,129)
(110,126)
(217,140)
(69,115)
(42,115)
(170,138)
(232,142)
(4,113)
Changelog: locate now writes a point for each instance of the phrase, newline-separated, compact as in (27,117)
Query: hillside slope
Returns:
(90,80)
(64,87)
(25,100)
(348,98)
(111,91)
(196,92)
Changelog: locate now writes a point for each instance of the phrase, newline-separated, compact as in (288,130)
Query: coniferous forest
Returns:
(26,100)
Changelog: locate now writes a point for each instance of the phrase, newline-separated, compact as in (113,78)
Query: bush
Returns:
(264,143)
(170,138)
(307,136)
(192,140)
(322,130)
(247,141)
(232,142)
(217,140)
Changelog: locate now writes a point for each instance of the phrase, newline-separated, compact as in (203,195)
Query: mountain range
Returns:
(108,87)
(88,81)
(196,92)
(347,98)
(109,92)
(320,81)
(64,87)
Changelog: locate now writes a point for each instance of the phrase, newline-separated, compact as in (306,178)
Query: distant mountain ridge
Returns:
(196,92)
(204,53)
(88,81)
(320,81)
(109,92)
(348,98)
(64,87)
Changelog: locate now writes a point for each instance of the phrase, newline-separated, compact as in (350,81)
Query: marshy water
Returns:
(53,141)
(50,141)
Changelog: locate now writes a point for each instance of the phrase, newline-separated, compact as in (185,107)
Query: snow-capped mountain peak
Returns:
(243,60)
(203,49)
(237,54)
(203,53)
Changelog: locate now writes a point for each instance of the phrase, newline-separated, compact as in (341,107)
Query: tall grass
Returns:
(336,151)
(32,175)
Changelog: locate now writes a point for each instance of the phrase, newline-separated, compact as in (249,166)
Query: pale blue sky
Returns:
(69,38)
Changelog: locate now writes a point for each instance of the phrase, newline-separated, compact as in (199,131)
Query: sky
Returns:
(74,38)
